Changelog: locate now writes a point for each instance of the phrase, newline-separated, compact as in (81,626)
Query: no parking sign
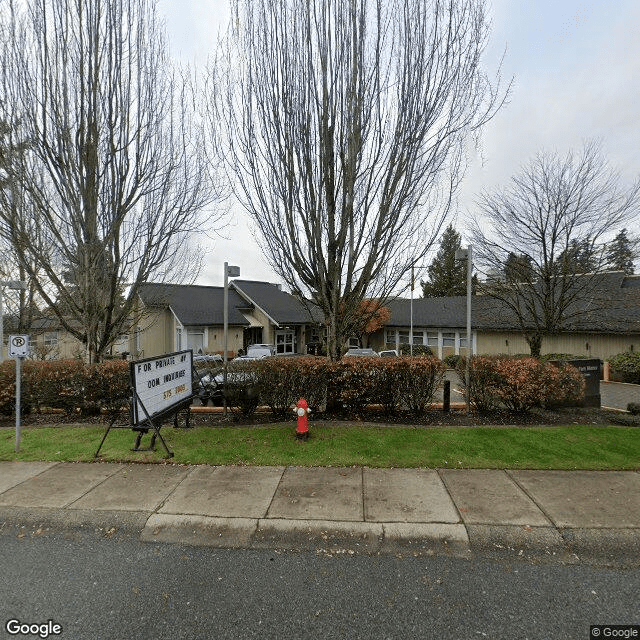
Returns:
(18,349)
(18,346)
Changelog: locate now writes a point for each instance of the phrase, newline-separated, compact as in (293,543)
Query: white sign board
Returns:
(161,383)
(18,346)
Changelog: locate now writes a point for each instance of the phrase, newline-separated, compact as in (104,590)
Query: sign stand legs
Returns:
(141,431)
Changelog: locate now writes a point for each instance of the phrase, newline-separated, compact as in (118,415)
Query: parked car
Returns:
(205,366)
(257,351)
(201,360)
(361,353)
(388,353)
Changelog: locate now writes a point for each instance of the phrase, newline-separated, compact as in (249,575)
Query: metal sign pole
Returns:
(18,394)
(1,327)
(233,272)
(469,336)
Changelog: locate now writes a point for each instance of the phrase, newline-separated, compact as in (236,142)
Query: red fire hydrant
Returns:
(302,411)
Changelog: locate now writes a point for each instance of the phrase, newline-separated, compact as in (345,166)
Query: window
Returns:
(121,344)
(179,339)
(448,339)
(463,340)
(432,338)
(195,341)
(51,339)
(390,336)
(285,342)
(418,337)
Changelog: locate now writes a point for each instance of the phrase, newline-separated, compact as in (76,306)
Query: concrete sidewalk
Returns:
(567,516)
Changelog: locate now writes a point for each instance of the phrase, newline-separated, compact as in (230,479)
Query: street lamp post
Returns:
(466,254)
(229,272)
(411,311)
(18,285)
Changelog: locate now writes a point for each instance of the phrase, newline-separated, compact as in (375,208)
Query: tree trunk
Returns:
(535,344)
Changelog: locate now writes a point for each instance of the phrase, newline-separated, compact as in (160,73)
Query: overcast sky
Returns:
(576,70)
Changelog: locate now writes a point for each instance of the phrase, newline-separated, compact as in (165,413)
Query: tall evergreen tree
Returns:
(518,268)
(621,253)
(580,256)
(447,276)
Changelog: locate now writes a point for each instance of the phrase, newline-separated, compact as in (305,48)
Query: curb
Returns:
(43,521)
(610,547)
(308,535)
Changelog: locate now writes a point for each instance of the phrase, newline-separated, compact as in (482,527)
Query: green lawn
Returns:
(566,447)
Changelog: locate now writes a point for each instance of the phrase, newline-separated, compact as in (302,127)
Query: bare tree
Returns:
(115,176)
(22,304)
(347,128)
(552,206)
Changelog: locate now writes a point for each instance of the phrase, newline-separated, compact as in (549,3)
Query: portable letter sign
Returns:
(160,384)
(161,387)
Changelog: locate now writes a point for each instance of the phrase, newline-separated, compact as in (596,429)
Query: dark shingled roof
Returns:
(612,307)
(280,306)
(195,305)
(449,312)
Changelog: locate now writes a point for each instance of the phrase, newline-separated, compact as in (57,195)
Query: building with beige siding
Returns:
(176,317)
(595,330)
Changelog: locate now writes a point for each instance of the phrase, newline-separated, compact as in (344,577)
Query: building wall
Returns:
(214,339)
(258,317)
(592,345)
(154,330)
(159,335)
(443,342)
(270,332)
(66,348)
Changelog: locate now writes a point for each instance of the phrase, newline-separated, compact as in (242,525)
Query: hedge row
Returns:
(75,387)
(70,385)
(626,366)
(520,384)
(348,385)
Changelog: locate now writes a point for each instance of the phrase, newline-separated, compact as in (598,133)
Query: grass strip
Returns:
(565,447)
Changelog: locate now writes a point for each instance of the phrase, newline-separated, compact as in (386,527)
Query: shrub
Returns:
(393,382)
(626,366)
(107,386)
(70,385)
(484,382)
(520,384)
(634,408)
(278,381)
(7,387)
(243,387)
(562,356)
(283,381)
(353,382)
(418,350)
(625,420)
(452,360)
(58,384)
(417,381)
(563,385)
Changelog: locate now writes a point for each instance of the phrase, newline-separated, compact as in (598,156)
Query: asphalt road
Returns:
(99,588)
